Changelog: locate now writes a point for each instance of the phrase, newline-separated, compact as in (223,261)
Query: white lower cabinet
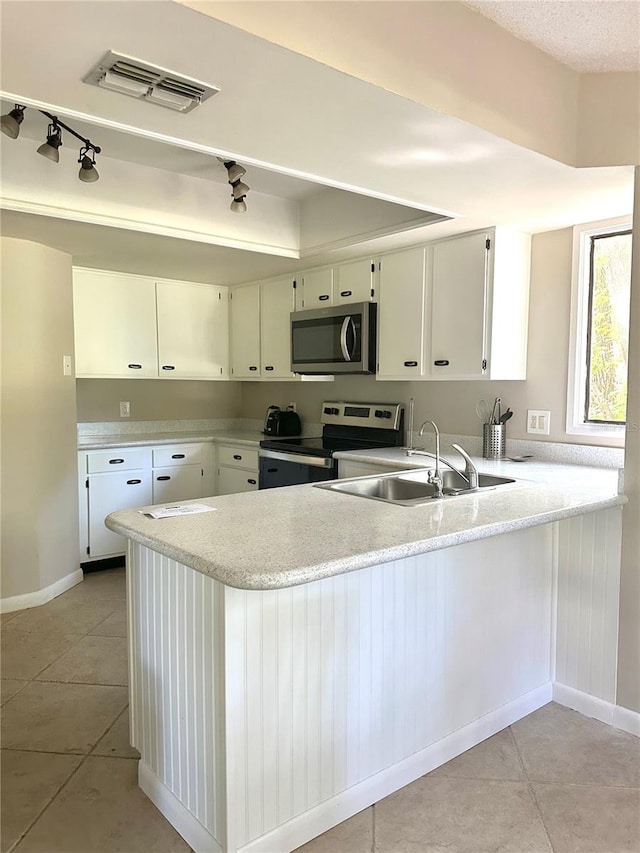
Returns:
(107,493)
(126,477)
(237,469)
(177,483)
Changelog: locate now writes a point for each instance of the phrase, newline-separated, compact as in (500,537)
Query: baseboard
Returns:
(315,821)
(178,815)
(599,709)
(40,596)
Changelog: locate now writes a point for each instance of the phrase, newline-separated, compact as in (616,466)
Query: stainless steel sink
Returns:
(412,488)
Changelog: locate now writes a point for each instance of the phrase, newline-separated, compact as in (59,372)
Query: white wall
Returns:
(629,637)
(38,447)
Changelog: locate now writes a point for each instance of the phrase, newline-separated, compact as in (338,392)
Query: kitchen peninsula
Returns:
(298,654)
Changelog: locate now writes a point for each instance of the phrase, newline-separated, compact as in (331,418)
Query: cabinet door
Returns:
(245,332)
(458,307)
(177,483)
(108,493)
(234,480)
(354,282)
(278,301)
(317,289)
(193,331)
(115,325)
(401,315)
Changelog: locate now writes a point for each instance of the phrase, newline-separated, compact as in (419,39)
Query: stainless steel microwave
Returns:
(334,340)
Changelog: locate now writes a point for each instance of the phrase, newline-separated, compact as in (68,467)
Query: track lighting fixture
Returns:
(49,149)
(239,189)
(10,125)
(88,173)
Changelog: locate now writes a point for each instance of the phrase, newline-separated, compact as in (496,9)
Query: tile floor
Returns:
(555,781)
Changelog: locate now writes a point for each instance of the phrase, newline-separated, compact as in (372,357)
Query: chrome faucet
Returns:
(470,470)
(434,478)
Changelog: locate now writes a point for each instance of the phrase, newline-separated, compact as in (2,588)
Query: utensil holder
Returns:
(494,441)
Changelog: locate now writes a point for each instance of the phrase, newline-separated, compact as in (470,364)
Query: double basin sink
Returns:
(413,488)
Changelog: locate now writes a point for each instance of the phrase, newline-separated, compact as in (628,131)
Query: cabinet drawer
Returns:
(118,459)
(239,457)
(232,481)
(178,454)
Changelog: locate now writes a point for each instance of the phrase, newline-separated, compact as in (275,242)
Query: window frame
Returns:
(579,332)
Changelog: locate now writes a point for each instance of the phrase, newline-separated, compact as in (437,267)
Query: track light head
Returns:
(238,205)
(88,173)
(10,123)
(234,170)
(49,149)
(239,190)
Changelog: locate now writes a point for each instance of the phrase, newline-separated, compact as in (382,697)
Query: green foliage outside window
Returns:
(608,345)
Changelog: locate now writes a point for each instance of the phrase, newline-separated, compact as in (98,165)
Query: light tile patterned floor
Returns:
(555,781)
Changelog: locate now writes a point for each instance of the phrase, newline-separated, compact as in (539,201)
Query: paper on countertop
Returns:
(177,509)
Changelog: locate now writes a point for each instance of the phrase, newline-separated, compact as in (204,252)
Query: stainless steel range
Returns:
(346,426)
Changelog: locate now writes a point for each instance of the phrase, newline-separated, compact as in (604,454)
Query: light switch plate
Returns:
(125,410)
(539,421)
(66,365)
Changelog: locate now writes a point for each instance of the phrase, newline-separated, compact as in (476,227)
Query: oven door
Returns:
(294,469)
(334,340)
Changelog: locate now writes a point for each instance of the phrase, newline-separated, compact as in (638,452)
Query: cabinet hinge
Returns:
(484,363)
(88,550)
(487,245)
(86,483)
(373,267)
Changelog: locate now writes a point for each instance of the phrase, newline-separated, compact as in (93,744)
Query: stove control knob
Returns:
(378,413)
(326,410)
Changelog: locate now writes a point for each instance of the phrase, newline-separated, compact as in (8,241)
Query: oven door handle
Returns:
(299,458)
(343,337)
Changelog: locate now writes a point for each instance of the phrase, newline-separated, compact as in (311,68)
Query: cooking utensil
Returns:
(483,411)
(506,416)
(496,407)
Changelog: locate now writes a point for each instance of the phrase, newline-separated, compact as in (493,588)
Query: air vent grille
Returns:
(139,79)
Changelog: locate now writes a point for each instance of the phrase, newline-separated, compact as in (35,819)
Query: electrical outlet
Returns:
(66,365)
(125,410)
(539,421)
(291,406)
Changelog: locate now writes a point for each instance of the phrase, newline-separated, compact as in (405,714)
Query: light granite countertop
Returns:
(283,537)
(140,439)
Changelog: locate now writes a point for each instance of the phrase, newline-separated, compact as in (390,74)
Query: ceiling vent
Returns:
(139,79)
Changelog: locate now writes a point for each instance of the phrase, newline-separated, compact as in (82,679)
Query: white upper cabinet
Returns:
(134,327)
(193,325)
(115,325)
(355,281)
(278,301)
(456,345)
(314,289)
(401,315)
(244,314)
(479,297)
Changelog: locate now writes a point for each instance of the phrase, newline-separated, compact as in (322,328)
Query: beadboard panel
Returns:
(176,681)
(330,683)
(587,605)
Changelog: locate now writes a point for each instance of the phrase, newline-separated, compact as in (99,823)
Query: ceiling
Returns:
(296,121)
(586,35)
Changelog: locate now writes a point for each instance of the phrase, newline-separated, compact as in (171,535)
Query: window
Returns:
(597,398)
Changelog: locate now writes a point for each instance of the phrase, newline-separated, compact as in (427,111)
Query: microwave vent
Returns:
(138,79)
